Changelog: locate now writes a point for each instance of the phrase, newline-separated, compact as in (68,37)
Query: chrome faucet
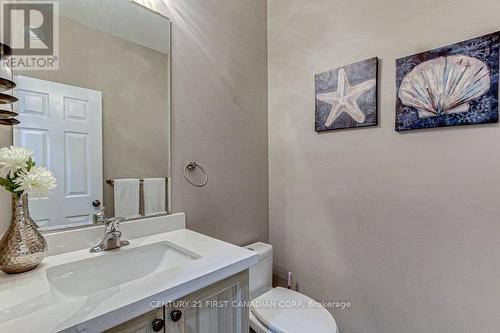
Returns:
(112,236)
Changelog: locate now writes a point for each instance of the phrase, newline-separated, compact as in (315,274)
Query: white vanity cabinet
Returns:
(218,308)
(123,291)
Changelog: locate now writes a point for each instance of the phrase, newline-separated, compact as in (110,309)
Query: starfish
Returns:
(344,99)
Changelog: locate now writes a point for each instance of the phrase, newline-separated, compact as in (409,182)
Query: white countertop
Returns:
(29,304)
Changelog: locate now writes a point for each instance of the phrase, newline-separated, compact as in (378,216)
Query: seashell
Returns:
(444,85)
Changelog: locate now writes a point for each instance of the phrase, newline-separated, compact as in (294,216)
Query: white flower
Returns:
(12,160)
(37,182)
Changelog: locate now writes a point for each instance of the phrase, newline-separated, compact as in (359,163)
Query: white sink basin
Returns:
(116,267)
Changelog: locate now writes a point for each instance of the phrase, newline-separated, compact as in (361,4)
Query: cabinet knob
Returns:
(158,325)
(175,315)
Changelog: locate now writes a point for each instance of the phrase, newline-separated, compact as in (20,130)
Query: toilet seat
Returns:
(282,310)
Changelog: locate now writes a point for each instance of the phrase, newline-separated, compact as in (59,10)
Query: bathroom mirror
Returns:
(102,116)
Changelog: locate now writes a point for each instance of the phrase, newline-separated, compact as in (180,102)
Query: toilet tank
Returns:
(261,275)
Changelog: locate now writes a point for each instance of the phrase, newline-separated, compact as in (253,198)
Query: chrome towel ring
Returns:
(191,166)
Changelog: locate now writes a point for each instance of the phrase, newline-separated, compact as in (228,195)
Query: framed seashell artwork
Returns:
(449,86)
(346,97)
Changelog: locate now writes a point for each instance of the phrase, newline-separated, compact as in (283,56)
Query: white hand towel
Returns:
(154,196)
(126,197)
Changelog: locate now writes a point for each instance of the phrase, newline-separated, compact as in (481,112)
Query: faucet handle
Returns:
(113,223)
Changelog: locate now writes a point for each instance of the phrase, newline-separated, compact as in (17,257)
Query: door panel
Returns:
(75,109)
(214,315)
(33,103)
(218,308)
(76,164)
(38,140)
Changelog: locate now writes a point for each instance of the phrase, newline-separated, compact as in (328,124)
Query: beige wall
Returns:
(406,226)
(219,114)
(134,84)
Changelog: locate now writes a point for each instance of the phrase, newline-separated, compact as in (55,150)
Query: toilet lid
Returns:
(287,311)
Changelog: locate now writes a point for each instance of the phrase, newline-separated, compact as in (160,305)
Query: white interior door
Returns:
(62,124)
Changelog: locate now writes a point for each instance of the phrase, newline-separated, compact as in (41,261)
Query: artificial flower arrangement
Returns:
(19,174)
(22,247)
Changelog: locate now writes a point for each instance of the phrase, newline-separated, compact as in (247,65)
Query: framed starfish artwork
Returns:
(449,86)
(346,97)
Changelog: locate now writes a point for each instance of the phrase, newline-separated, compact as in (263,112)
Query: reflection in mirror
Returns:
(104,114)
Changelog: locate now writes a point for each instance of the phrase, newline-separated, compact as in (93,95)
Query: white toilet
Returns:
(280,310)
